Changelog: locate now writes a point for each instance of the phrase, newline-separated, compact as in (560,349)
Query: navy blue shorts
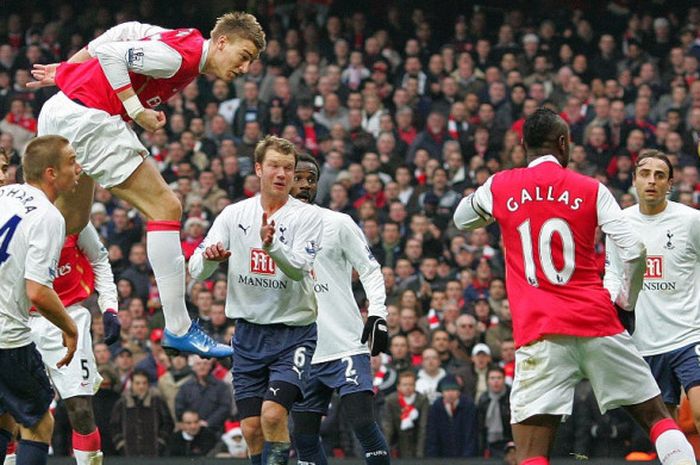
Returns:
(266,353)
(25,390)
(348,375)
(680,367)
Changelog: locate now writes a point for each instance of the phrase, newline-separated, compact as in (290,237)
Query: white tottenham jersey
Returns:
(32,231)
(266,286)
(339,321)
(667,314)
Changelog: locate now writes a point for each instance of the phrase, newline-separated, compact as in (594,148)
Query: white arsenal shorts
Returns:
(547,371)
(107,149)
(80,376)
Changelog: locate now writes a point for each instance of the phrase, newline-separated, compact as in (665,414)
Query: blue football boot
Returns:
(195,341)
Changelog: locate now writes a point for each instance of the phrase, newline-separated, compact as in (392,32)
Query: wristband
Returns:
(133,106)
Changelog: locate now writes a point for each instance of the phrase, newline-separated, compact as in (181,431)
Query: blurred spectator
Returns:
(156,362)
(452,429)
(405,418)
(138,271)
(232,443)
(20,123)
(494,415)
(170,383)
(206,395)
(141,423)
(430,374)
(466,337)
(193,440)
(124,230)
(195,229)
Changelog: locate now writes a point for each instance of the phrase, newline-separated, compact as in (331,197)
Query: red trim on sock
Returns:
(660,427)
(11,447)
(163,225)
(87,442)
(539,460)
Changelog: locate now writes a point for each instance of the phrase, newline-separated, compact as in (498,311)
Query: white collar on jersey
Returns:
(205,51)
(543,159)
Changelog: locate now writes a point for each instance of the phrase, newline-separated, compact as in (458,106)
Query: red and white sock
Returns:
(168,263)
(11,454)
(671,444)
(86,448)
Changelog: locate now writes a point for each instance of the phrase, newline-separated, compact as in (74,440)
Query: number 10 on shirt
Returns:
(558,277)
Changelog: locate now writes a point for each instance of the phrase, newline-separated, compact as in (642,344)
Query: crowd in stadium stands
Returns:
(406,112)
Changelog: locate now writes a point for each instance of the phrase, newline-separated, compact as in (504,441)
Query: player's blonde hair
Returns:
(42,153)
(279,144)
(240,25)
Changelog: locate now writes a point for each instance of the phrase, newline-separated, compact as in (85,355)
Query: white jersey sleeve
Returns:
(612,281)
(148,57)
(358,253)
(298,261)
(475,210)
(44,250)
(89,242)
(200,268)
(629,247)
(129,31)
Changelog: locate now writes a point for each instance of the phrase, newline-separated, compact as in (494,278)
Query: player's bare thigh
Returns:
(75,206)
(146,190)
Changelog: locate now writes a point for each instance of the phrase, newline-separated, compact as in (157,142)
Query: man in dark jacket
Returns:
(494,414)
(452,423)
(141,423)
(206,395)
(194,440)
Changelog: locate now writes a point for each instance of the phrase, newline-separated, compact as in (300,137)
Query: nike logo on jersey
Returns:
(245,230)
(352,380)
(298,371)
(274,390)
(84,383)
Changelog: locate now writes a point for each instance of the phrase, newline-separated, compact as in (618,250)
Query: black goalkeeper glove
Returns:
(377,333)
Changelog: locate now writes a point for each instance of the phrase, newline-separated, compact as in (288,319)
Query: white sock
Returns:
(93,457)
(168,263)
(674,449)
(10,459)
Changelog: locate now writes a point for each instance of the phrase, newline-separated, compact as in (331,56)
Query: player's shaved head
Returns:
(546,133)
